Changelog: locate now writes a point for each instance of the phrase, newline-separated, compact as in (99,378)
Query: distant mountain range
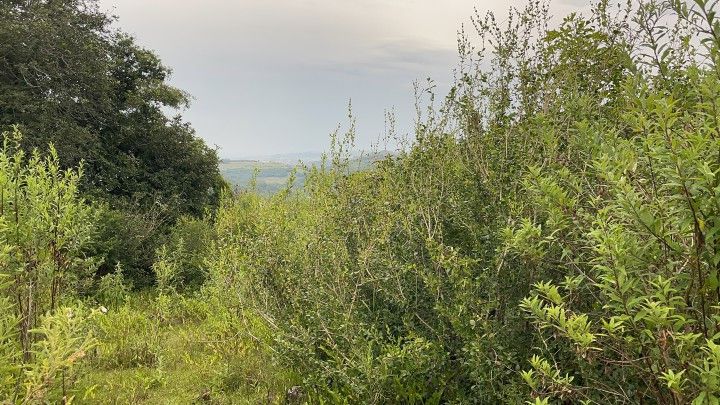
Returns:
(291,158)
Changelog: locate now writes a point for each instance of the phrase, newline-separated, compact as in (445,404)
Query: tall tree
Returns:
(68,77)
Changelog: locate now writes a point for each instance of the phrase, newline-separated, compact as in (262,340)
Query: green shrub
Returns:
(642,243)
(112,289)
(127,337)
(45,228)
(130,237)
(191,239)
(64,340)
(626,308)
(557,206)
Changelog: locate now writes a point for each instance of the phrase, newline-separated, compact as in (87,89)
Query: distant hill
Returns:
(274,174)
(289,158)
(271,177)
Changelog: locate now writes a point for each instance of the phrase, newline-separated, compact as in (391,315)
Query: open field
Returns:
(270,177)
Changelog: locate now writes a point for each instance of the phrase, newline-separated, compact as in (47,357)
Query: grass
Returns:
(189,363)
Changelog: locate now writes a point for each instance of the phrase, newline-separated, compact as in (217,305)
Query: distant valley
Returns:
(271,176)
(274,171)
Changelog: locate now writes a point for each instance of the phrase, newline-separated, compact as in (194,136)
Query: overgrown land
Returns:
(549,233)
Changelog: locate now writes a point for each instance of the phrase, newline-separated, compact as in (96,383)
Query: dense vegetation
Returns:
(68,78)
(548,234)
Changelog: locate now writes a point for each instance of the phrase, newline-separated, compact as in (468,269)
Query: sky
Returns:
(273,77)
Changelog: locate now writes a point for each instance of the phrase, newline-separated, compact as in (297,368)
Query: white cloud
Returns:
(246,60)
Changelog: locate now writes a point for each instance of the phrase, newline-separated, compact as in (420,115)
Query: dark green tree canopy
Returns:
(68,78)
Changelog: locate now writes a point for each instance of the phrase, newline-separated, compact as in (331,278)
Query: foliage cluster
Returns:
(69,78)
(44,228)
(548,234)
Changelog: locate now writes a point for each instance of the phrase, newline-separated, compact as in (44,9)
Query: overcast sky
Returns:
(275,76)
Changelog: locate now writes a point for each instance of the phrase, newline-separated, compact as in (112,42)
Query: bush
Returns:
(45,227)
(642,242)
(63,341)
(112,290)
(557,207)
(191,239)
(128,237)
(127,338)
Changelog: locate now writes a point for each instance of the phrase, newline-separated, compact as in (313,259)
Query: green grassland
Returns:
(269,176)
(160,349)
